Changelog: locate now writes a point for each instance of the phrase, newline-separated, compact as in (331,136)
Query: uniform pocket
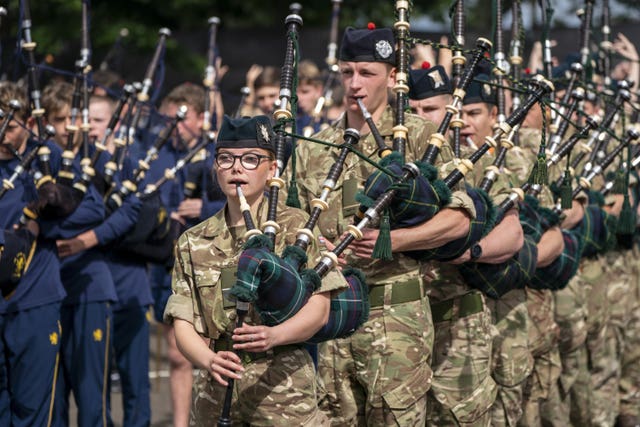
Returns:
(401,399)
(209,303)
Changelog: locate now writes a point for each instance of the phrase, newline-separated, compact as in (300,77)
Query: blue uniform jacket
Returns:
(41,283)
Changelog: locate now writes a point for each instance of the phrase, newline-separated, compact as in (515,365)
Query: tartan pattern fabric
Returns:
(349,309)
(557,274)
(415,201)
(495,280)
(478,228)
(536,219)
(597,230)
(273,285)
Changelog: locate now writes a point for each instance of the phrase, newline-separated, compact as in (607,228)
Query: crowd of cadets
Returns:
(448,355)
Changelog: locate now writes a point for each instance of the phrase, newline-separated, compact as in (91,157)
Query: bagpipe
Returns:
(521,270)
(326,99)
(458,60)
(278,286)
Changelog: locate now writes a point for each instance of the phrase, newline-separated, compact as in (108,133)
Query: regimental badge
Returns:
(97,335)
(53,338)
(384,49)
(436,79)
(19,262)
(264,133)
(487,89)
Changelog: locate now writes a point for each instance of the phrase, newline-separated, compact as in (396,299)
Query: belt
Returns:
(467,304)
(410,290)
(224,344)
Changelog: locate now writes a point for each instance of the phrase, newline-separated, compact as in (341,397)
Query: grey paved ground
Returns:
(161,415)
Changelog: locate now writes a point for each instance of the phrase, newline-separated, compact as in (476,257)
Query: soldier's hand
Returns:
(342,261)
(190,208)
(253,338)
(363,248)
(225,364)
(81,242)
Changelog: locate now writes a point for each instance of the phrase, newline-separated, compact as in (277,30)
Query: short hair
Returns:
(270,76)
(187,93)
(107,79)
(103,98)
(308,73)
(9,91)
(57,95)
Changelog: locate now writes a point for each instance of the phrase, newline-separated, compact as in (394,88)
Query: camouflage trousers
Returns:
(629,388)
(380,375)
(569,401)
(543,338)
(279,390)
(512,360)
(607,369)
(463,390)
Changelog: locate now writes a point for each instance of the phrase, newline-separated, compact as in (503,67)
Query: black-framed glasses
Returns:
(249,161)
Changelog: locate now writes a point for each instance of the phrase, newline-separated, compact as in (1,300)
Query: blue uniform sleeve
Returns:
(89,214)
(119,222)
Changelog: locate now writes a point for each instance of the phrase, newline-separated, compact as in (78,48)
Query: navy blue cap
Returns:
(368,45)
(246,132)
(426,83)
(480,91)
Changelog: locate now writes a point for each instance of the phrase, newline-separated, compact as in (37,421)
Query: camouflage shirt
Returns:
(315,160)
(206,260)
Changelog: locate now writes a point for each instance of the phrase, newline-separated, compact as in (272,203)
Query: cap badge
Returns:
(384,49)
(436,78)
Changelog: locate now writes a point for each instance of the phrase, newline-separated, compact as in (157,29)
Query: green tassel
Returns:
(293,201)
(566,191)
(542,175)
(626,220)
(533,174)
(382,249)
(620,183)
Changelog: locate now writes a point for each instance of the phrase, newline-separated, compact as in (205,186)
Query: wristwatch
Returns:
(475,251)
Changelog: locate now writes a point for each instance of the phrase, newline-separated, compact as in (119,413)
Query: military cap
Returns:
(368,45)
(480,91)
(246,132)
(429,82)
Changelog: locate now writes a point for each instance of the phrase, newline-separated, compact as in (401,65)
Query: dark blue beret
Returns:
(480,91)
(246,132)
(430,82)
(377,45)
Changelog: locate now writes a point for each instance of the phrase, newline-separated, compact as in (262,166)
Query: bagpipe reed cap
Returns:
(593,121)
(164,32)
(14,104)
(353,135)
(483,43)
(214,20)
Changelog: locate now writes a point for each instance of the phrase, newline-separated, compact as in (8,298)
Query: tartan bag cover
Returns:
(415,201)
(496,280)
(556,275)
(478,228)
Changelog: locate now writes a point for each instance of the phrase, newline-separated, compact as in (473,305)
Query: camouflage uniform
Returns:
(463,388)
(629,388)
(543,329)
(381,374)
(277,387)
(512,359)
(606,375)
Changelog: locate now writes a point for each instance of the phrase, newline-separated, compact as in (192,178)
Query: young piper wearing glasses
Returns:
(275,379)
